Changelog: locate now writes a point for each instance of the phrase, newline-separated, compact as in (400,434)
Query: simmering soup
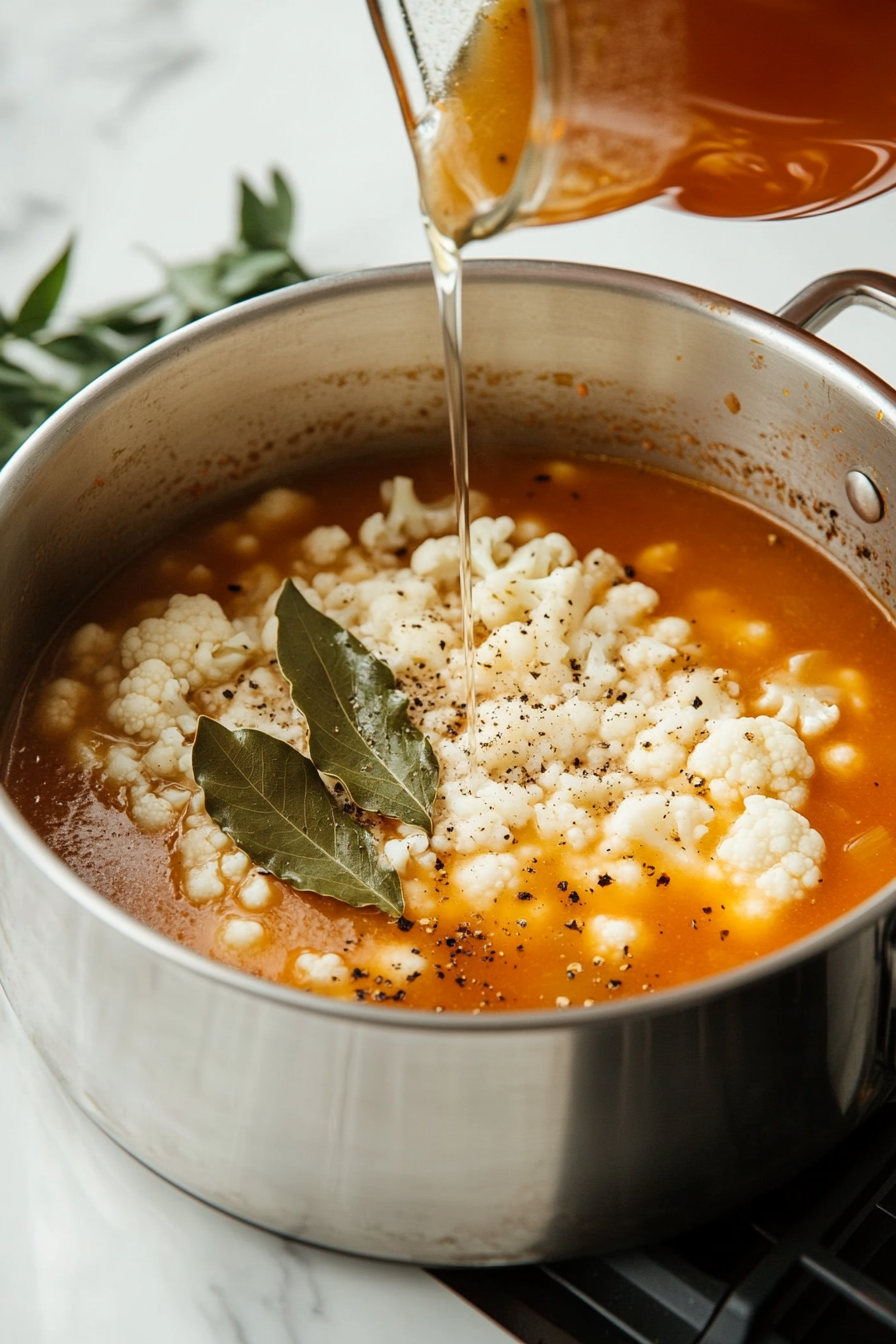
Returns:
(681,763)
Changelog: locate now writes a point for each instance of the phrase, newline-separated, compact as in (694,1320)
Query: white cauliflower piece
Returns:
(151,699)
(194,638)
(324,545)
(258,892)
(409,519)
(560,818)
(437,559)
(538,558)
(772,849)
(259,700)
(628,603)
(201,848)
(656,755)
(123,765)
(665,822)
(484,878)
(320,968)
(610,936)
(61,704)
(396,960)
(152,813)
(531,735)
(277,507)
(671,630)
(88,649)
(401,850)
(480,817)
(241,935)
(601,571)
(558,600)
(169,757)
(752,755)
(489,545)
(811,710)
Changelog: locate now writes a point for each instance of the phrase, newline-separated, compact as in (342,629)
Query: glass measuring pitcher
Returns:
(542,111)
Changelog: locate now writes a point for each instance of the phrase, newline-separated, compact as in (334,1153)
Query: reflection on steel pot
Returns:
(447,1139)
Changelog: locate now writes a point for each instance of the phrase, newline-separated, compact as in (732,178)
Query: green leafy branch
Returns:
(43,362)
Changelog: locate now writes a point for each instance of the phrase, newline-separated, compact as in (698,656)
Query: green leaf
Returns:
(243,274)
(273,804)
(38,307)
(257,264)
(196,287)
(358,722)
(85,347)
(266,225)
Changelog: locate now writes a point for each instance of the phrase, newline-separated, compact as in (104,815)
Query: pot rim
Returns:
(863,384)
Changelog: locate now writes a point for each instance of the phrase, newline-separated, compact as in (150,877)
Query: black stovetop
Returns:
(812,1263)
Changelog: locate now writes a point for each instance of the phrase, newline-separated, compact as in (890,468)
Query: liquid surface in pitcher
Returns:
(734,108)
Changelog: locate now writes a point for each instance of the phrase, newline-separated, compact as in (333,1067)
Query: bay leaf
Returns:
(272,803)
(357,721)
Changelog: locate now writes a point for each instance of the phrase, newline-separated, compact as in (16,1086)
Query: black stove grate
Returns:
(812,1263)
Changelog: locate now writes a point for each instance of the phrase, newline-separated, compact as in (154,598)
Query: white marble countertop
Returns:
(127,121)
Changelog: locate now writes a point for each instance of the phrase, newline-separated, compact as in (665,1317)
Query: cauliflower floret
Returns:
(258,892)
(667,823)
(241,935)
(88,649)
(538,558)
(123,765)
(610,936)
(409,519)
(481,817)
(277,507)
(60,706)
(152,813)
(561,818)
(396,960)
(489,545)
(512,734)
(484,878)
(629,603)
(261,700)
(320,968)
(656,755)
(601,571)
(193,637)
(202,847)
(752,755)
(400,851)
(437,559)
(324,545)
(789,696)
(169,757)
(558,601)
(151,699)
(772,849)
(646,652)
(671,630)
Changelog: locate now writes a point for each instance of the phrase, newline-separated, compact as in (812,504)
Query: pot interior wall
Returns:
(563,357)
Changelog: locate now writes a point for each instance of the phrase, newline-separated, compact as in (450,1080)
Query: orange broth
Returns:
(530,951)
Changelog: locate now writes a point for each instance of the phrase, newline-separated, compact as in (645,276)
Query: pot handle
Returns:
(815,306)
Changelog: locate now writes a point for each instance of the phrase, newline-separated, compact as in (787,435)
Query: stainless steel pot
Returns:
(448,1139)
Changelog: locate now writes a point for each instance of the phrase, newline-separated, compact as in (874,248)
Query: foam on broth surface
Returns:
(755,597)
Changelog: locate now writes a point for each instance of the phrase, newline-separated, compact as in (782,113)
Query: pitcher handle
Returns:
(815,306)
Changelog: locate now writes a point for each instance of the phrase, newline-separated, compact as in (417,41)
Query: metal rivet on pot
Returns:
(864,496)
